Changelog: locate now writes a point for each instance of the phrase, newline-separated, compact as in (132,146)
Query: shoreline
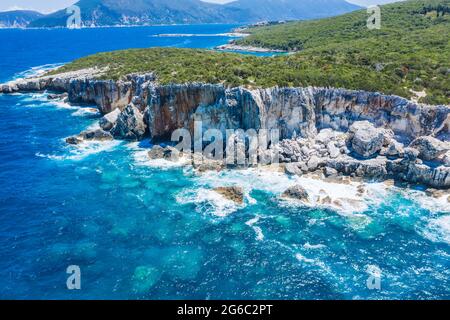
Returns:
(116,26)
(349,146)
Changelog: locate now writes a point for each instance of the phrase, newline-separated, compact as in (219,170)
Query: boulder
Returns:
(366,140)
(167,153)
(56,96)
(371,168)
(108,121)
(446,159)
(333,150)
(296,192)
(157,152)
(330,172)
(313,163)
(411,154)
(97,134)
(235,194)
(74,140)
(90,135)
(293,169)
(130,124)
(209,165)
(325,136)
(429,148)
(394,149)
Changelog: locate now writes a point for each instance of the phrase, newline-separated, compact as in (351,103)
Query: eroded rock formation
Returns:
(347,132)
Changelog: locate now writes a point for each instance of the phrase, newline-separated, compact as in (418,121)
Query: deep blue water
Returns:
(142,230)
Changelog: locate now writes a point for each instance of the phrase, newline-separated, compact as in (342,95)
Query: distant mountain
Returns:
(18,18)
(147,12)
(272,10)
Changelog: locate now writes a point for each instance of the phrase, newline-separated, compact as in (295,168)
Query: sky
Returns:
(49,6)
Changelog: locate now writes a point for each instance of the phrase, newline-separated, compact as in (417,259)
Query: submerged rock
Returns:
(144,278)
(296,192)
(235,194)
(130,124)
(429,148)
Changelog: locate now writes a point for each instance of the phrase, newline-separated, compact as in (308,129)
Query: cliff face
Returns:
(302,111)
(374,126)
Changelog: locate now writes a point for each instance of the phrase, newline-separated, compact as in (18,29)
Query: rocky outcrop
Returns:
(130,124)
(90,135)
(296,192)
(235,194)
(338,131)
(167,153)
(430,148)
(108,121)
(294,111)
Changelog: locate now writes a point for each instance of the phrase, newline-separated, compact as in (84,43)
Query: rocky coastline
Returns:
(235,47)
(335,132)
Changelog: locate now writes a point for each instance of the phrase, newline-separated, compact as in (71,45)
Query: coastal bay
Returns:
(150,228)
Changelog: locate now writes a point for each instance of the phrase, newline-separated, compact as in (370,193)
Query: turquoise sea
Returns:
(154,230)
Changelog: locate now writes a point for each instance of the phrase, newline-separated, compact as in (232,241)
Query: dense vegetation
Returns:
(412,48)
(410,52)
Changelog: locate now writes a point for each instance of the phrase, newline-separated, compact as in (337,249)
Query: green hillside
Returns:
(412,48)
(410,52)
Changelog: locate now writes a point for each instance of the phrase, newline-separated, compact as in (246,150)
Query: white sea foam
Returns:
(345,198)
(40,100)
(83,150)
(302,258)
(208,201)
(309,246)
(83,112)
(141,158)
(37,71)
(258,231)
(434,204)
(438,230)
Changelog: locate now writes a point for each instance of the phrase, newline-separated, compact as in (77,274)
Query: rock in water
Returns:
(429,148)
(74,140)
(366,140)
(157,152)
(98,134)
(130,124)
(90,135)
(235,194)
(296,192)
(108,121)
(144,278)
(168,153)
